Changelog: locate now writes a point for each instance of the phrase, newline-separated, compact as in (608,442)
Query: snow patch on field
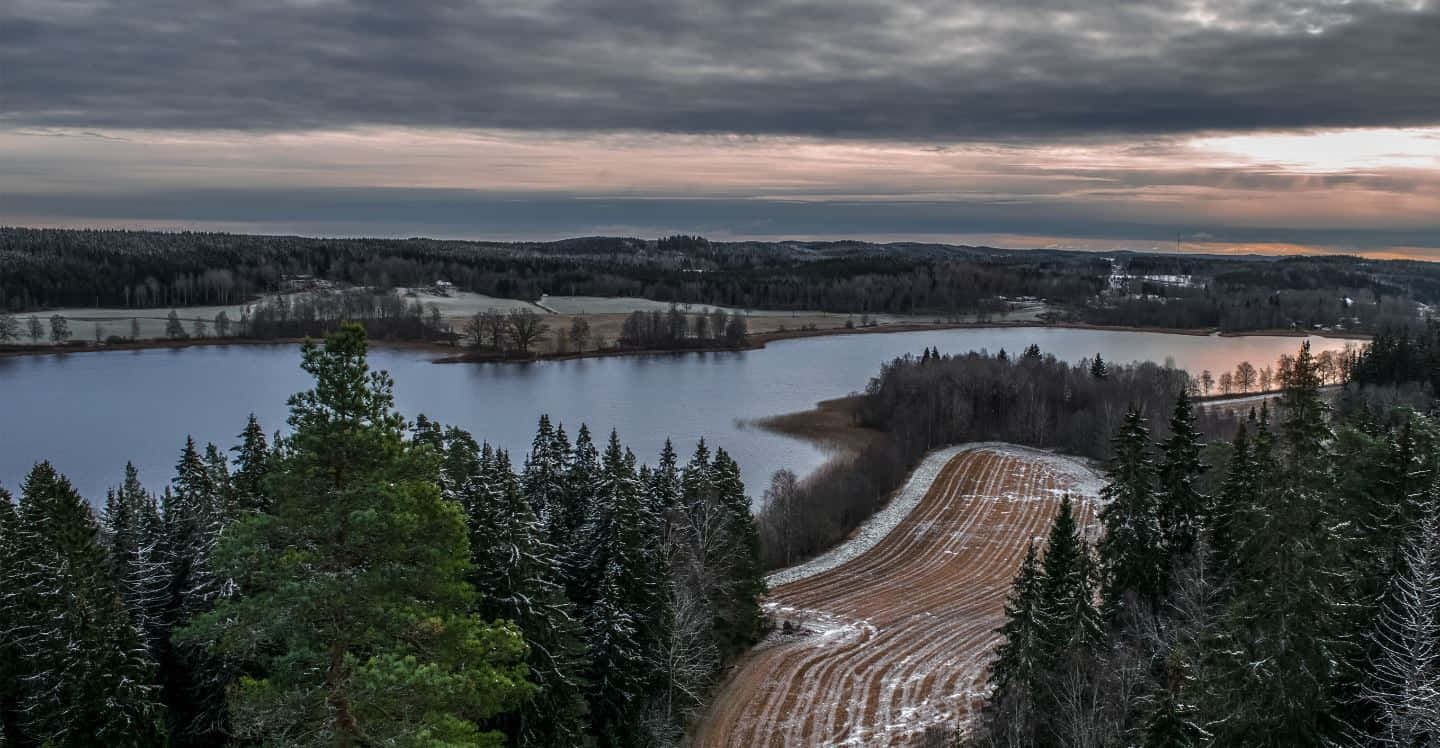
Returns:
(1083,484)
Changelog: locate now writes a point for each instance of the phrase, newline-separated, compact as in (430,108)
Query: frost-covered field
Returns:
(894,631)
(83,322)
(466,304)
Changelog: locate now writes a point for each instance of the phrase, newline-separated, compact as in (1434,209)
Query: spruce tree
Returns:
(1132,552)
(1020,661)
(356,613)
(1284,646)
(134,531)
(85,676)
(197,509)
(251,459)
(1069,621)
(1181,506)
(11,670)
(566,524)
(515,574)
(624,617)
(1225,514)
(544,476)
(739,622)
(1098,369)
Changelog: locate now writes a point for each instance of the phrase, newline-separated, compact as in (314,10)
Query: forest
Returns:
(364,579)
(1278,588)
(44,269)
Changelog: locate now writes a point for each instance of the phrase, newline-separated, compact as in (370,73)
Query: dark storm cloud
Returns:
(872,68)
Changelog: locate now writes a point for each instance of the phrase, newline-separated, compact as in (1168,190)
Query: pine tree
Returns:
(1181,506)
(251,465)
(356,612)
(1132,551)
(85,677)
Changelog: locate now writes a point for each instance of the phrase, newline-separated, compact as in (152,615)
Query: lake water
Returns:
(88,413)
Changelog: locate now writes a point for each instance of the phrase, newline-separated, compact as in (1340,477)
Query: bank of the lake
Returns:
(90,412)
(450,353)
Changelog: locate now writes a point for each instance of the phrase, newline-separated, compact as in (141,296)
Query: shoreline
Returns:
(753,341)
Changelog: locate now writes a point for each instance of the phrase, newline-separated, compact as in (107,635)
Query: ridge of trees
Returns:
(57,268)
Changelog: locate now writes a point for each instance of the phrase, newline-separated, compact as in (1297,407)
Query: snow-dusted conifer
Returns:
(252,457)
(1132,551)
(86,677)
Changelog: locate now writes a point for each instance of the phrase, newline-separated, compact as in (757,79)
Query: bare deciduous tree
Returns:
(525,328)
(579,333)
(1245,376)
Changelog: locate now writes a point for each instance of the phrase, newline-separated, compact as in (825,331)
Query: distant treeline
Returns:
(48,268)
(52,268)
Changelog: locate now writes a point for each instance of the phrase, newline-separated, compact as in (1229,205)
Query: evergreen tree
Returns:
(85,676)
(1098,369)
(356,612)
(1181,506)
(1069,621)
(544,477)
(135,542)
(11,669)
(739,622)
(1132,551)
(514,572)
(1226,508)
(251,466)
(196,511)
(624,620)
(1020,660)
(565,525)
(1284,645)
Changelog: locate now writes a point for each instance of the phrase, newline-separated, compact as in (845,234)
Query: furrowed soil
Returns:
(900,637)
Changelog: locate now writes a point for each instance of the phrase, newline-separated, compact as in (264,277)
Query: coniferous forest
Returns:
(1279,588)
(55,268)
(366,580)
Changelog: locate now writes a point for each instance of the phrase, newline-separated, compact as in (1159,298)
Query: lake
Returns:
(88,413)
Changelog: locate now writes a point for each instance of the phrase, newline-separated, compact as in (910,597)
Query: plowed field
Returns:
(899,637)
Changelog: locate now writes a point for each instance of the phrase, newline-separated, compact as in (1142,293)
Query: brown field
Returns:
(899,637)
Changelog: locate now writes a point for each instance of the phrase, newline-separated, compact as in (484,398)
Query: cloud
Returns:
(923,69)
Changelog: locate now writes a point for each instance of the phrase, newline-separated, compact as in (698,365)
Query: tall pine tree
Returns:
(356,613)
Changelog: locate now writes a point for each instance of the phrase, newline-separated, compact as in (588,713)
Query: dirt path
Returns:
(899,637)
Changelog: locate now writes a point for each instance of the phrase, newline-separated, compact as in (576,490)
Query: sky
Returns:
(1201,125)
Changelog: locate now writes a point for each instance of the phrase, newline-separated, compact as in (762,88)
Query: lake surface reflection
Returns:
(88,413)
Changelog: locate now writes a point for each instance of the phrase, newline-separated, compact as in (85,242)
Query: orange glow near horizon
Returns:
(1352,180)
